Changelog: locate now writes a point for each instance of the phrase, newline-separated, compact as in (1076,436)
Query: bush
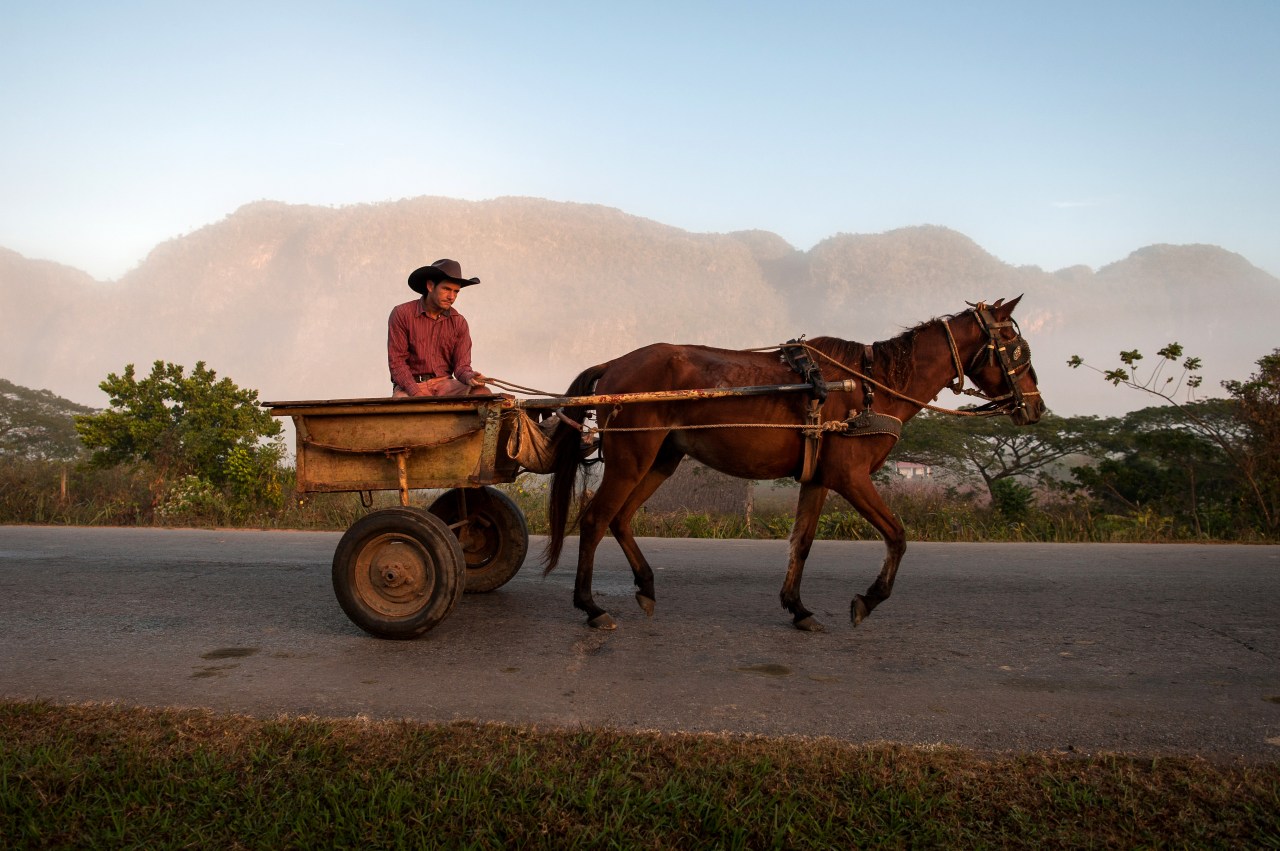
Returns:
(1011,499)
(31,492)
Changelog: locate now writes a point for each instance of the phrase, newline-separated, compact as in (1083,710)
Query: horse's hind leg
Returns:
(627,467)
(808,507)
(864,497)
(620,526)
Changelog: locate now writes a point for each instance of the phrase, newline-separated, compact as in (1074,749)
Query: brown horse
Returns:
(643,443)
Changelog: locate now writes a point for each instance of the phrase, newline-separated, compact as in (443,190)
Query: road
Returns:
(1149,649)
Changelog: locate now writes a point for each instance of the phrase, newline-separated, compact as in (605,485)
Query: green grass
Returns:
(109,777)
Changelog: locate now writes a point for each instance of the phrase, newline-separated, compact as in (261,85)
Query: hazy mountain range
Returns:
(293,300)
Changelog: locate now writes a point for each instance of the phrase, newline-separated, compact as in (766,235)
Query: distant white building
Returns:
(911,470)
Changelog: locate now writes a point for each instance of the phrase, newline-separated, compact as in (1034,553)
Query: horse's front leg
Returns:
(808,508)
(864,497)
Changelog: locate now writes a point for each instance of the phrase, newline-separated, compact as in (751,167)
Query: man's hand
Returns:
(478,380)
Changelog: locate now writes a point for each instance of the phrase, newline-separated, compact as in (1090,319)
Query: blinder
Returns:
(1013,356)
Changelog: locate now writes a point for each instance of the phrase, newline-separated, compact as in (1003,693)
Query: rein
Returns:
(926,405)
(1012,362)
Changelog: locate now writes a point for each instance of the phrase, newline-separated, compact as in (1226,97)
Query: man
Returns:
(428,342)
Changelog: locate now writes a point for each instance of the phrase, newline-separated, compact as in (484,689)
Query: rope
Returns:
(886,388)
(507,385)
(936,408)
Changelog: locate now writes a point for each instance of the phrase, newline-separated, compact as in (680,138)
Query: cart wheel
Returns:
(398,572)
(492,532)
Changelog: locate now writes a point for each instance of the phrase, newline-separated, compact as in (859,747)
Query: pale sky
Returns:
(1051,133)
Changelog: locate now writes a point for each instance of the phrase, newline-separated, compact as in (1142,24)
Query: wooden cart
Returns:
(397,572)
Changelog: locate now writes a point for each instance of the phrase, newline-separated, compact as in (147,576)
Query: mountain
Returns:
(38,424)
(36,299)
(292,300)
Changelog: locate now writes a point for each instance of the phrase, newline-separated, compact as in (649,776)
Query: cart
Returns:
(398,572)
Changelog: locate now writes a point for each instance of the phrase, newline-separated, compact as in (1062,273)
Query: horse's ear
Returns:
(1006,307)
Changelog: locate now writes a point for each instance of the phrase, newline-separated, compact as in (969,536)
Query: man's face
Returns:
(440,297)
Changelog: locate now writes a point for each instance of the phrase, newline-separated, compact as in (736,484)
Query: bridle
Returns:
(1014,357)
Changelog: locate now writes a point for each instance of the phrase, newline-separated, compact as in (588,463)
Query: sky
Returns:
(1051,133)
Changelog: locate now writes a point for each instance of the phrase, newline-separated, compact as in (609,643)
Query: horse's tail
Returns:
(564,472)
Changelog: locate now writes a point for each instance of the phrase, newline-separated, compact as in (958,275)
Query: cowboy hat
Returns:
(441,270)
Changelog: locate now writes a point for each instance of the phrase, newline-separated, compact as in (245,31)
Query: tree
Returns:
(993,449)
(1258,409)
(1157,461)
(1157,383)
(1233,434)
(37,425)
(184,425)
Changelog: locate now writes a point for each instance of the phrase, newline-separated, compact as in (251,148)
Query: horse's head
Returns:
(998,361)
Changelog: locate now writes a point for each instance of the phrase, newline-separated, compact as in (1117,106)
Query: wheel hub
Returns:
(397,575)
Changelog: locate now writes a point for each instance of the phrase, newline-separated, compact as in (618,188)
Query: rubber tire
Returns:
(495,539)
(398,572)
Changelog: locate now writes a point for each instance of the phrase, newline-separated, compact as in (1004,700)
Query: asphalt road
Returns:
(1147,649)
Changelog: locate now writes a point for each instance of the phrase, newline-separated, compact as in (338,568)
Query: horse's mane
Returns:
(893,356)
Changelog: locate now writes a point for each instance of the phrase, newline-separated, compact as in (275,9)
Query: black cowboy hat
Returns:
(441,270)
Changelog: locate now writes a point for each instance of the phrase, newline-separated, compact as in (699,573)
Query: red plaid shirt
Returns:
(418,345)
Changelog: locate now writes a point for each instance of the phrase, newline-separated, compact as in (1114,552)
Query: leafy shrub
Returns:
(191,500)
(1011,499)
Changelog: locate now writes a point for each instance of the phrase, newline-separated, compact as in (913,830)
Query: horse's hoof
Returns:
(809,624)
(602,621)
(646,603)
(858,609)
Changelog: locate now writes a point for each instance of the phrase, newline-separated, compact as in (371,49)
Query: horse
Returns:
(763,436)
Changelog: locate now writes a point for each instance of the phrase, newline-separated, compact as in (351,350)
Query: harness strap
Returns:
(956,384)
(870,422)
(868,387)
(867,421)
(812,442)
(795,354)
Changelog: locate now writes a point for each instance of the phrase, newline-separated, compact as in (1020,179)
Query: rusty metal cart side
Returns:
(398,572)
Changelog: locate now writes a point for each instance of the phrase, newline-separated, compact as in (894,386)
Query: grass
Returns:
(110,777)
(36,492)
(929,514)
